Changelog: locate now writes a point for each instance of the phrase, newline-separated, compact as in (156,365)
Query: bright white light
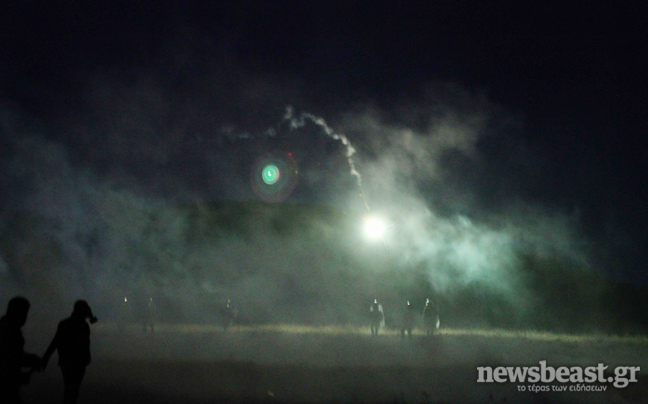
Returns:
(374,228)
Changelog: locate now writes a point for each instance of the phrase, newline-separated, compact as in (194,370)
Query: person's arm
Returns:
(50,350)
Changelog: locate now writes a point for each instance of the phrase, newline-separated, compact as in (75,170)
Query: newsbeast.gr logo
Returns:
(576,375)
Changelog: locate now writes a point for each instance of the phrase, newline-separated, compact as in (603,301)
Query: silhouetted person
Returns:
(72,341)
(124,313)
(409,320)
(430,318)
(12,354)
(149,316)
(230,313)
(377,317)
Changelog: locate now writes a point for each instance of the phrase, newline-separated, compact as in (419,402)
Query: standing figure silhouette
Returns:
(72,341)
(409,320)
(12,354)
(431,317)
(377,316)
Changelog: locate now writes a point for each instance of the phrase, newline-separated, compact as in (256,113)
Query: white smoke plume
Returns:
(299,121)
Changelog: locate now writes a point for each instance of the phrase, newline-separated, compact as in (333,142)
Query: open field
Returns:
(291,363)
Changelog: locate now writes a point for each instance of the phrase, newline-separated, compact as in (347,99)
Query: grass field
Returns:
(196,363)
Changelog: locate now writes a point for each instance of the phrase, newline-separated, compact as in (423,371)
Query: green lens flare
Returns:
(270,174)
(274,176)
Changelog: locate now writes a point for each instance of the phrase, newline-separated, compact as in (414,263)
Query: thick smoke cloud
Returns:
(121,192)
(424,173)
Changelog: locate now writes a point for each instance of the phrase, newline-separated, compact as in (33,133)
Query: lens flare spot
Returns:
(274,176)
(270,174)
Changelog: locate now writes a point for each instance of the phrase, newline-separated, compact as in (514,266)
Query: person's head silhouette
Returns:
(17,311)
(82,310)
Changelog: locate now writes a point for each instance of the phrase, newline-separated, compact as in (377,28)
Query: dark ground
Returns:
(292,364)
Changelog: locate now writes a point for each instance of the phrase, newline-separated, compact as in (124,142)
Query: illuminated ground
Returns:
(290,363)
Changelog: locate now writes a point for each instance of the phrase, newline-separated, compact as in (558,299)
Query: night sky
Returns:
(544,105)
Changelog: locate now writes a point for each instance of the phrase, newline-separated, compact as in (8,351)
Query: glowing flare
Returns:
(374,228)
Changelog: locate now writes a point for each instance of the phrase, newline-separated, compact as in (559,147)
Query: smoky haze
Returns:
(125,197)
(496,147)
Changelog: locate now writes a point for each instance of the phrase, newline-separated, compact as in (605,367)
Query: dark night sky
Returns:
(569,77)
